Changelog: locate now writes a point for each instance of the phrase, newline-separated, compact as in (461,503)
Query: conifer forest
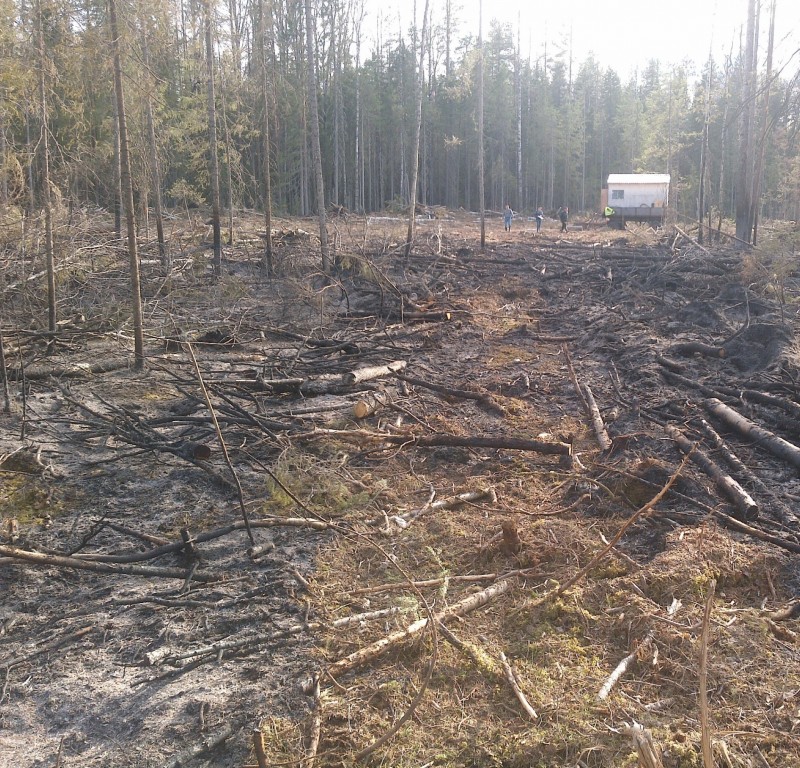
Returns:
(555,124)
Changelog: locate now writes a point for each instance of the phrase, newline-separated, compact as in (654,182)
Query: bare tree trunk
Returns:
(3,158)
(46,196)
(518,109)
(213,167)
(236,37)
(269,267)
(228,153)
(311,57)
(155,167)
(744,186)
(4,374)
(412,213)
(359,160)
(766,127)
(127,190)
(701,202)
(481,171)
(117,179)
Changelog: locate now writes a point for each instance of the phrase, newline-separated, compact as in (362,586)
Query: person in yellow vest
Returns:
(608,212)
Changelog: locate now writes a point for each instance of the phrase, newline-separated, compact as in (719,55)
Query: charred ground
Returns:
(141,665)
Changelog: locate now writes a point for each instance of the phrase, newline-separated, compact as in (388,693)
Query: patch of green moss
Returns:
(27,499)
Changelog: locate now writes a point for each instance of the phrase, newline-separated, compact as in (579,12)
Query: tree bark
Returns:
(742,501)
(481,171)
(412,212)
(311,61)
(762,437)
(268,266)
(46,196)
(127,191)
(155,166)
(744,186)
(213,156)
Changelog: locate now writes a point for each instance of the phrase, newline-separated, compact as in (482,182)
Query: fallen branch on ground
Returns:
(622,667)
(514,683)
(377,649)
(61,561)
(438,440)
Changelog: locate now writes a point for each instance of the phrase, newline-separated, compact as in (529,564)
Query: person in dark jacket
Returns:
(539,217)
(563,215)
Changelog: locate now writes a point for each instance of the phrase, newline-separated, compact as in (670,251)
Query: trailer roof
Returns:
(638,178)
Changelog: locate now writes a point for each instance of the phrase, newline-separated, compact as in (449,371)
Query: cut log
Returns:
(762,437)
(603,440)
(777,507)
(370,403)
(743,503)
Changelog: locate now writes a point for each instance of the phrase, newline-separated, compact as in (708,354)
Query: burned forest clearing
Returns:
(529,506)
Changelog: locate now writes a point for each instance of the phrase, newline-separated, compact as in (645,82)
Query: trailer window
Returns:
(617,194)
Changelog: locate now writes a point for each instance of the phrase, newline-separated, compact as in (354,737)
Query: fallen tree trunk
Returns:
(329,384)
(74,371)
(778,508)
(437,440)
(762,437)
(738,496)
(62,561)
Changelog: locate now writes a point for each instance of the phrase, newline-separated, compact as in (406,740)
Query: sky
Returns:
(625,36)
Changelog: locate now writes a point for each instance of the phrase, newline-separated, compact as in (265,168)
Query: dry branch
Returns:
(74,371)
(469,497)
(210,742)
(622,667)
(777,506)
(377,649)
(216,533)
(763,437)
(223,445)
(621,532)
(705,728)
(465,394)
(514,683)
(61,561)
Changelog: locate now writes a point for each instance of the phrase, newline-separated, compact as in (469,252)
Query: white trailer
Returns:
(636,197)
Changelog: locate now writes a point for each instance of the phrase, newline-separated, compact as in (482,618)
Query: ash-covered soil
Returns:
(222,567)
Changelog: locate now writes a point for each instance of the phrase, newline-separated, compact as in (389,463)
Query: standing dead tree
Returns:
(127,189)
(412,208)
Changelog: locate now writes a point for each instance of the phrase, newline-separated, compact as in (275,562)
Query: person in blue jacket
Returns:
(508,214)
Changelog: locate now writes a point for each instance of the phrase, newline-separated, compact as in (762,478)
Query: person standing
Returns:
(508,214)
(563,215)
(539,217)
